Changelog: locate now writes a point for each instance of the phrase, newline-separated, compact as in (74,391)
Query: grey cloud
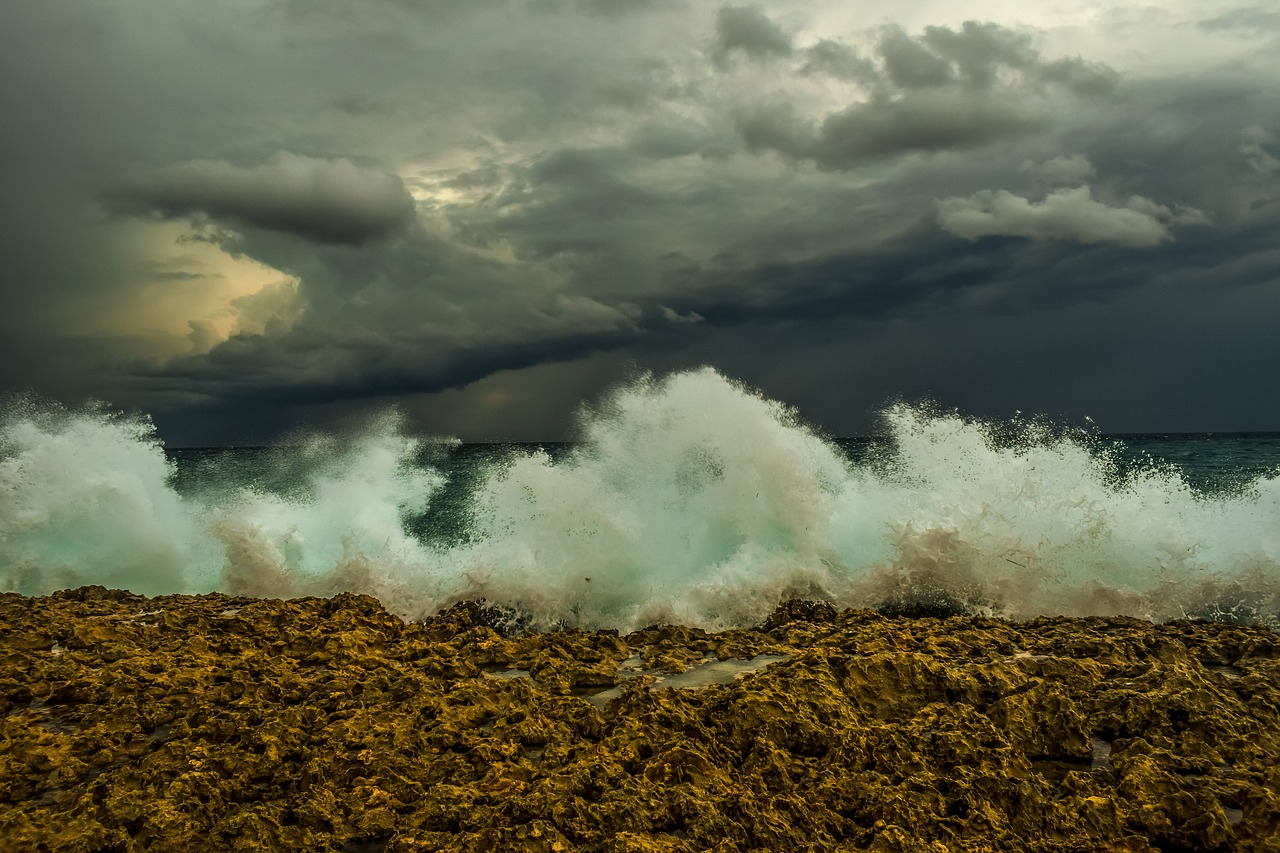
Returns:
(839,60)
(672,316)
(1061,170)
(979,49)
(974,55)
(619,8)
(910,64)
(664,140)
(1070,214)
(328,201)
(776,126)
(921,121)
(293,369)
(254,370)
(924,121)
(945,90)
(750,30)
(378,13)
(922,273)
(578,202)
(1081,76)
(1249,18)
(1254,144)
(363,105)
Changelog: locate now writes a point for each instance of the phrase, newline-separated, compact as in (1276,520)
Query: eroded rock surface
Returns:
(215,723)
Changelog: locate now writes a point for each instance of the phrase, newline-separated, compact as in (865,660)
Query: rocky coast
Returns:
(212,723)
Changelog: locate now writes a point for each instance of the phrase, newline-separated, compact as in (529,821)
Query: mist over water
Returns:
(688,499)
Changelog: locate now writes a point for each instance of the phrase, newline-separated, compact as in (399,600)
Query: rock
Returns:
(199,723)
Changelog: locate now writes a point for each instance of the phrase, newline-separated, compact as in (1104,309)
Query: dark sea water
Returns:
(689,499)
(1210,462)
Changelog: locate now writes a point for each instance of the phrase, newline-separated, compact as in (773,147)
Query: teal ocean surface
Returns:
(688,499)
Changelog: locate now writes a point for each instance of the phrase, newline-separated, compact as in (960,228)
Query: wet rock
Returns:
(797,610)
(215,723)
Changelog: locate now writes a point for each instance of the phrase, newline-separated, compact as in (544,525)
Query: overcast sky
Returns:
(251,215)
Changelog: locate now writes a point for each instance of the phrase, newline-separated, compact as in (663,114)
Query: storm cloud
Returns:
(329,201)
(246,217)
(945,89)
(749,30)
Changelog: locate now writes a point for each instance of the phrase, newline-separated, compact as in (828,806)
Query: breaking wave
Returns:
(687,499)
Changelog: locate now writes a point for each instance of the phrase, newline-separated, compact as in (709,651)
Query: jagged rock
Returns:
(214,723)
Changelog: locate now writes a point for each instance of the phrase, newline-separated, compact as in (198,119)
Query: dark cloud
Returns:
(662,140)
(979,49)
(777,126)
(917,122)
(975,56)
(577,202)
(944,90)
(749,30)
(1261,149)
(925,274)
(910,64)
(294,369)
(328,201)
(412,315)
(536,195)
(887,127)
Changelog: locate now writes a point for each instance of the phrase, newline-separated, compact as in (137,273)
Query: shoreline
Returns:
(214,722)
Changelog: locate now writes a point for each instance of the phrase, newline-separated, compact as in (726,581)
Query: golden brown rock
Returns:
(216,723)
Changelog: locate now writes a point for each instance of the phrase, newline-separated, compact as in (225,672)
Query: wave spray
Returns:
(687,499)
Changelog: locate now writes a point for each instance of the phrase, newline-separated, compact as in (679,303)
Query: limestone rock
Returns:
(199,723)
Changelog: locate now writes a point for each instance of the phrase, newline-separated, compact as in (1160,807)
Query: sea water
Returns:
(686,499)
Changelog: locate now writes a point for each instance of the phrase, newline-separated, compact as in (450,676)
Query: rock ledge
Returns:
(200,723)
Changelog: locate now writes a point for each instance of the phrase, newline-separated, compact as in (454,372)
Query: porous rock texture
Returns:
(214,723)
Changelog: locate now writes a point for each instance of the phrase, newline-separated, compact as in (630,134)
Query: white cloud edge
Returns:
(1065,214)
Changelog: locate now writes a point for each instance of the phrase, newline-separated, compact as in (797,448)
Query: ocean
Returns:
(689,500)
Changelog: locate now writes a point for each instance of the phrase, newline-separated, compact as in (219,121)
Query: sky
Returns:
(254,216)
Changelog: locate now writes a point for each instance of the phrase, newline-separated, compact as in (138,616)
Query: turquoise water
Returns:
(689,499)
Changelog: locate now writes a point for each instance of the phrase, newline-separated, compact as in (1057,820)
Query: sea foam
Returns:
(686,499)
